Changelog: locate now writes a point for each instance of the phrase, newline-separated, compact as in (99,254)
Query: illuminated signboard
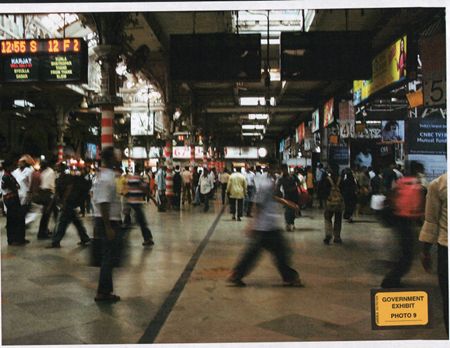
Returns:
(315,125)
(388,67)
(44,60)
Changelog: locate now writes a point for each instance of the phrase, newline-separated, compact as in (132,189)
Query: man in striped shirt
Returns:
(135,197)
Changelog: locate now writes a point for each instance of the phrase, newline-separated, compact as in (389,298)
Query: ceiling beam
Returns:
(257,109)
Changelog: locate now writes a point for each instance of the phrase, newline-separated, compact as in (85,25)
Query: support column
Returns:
(60,122)
(107,126)
(169,165)
(107,58)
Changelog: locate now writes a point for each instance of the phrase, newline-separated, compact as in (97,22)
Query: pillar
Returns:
(192,162)
(60,122)
(107,126)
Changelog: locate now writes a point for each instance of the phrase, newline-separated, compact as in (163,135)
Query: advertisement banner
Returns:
(347,129)
(434,165)
(388,67)
(392,131)
(368,130)
(427,136)
(328,116)
(184,152)
(315,125)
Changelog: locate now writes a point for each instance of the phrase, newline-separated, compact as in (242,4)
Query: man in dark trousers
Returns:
(107,221)
(15,220)
(177,186)
(70,192)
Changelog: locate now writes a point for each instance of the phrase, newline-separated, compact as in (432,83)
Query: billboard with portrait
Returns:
(328,110)
(388,67)
(392,131)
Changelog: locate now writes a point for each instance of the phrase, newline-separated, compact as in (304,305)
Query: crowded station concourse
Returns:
(223,176)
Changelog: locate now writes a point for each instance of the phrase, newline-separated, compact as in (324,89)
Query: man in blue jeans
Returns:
(107,210)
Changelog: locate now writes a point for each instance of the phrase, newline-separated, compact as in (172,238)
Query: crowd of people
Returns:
(259,194)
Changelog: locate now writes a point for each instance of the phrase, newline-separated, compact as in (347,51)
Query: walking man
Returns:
(107,221)
(266,233)
(236,189)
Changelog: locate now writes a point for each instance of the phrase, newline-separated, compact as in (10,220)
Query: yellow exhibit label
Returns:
(401,308)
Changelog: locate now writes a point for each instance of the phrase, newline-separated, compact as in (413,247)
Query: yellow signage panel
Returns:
(400,308)
(389,66)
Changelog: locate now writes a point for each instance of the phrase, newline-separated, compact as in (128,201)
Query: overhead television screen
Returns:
(215,57)
(326,55)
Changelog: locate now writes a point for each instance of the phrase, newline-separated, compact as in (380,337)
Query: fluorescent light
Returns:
(253,126)
(251,134)
(23,103)
(252,101)
(258,116)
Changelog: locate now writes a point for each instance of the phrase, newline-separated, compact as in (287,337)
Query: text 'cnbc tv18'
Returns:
(44,60)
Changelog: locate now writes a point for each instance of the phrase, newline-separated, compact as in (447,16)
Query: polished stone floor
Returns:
(175,291)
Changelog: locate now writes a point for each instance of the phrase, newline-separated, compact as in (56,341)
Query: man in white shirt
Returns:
(107,210)
(23,176)
(46,192)
(224,177)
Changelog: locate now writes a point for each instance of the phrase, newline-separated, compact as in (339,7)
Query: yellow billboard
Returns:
(388,67)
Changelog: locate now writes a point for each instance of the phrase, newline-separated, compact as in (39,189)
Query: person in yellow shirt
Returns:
(236,190)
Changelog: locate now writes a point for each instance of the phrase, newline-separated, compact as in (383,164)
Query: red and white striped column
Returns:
(107,126)
(169,165)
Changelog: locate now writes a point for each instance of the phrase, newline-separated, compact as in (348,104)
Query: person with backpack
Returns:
(408,206)
(334,206)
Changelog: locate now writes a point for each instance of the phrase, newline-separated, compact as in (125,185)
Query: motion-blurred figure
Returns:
(46,192)
(266,233)
(434,231)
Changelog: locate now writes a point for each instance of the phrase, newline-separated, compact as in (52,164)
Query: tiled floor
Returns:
(47,294)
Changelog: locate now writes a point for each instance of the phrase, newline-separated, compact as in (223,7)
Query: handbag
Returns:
(377,202)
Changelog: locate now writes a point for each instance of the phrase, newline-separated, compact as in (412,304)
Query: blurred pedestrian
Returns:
(408,208)
(70,192)
(249,197)
(187,177)
(349,189)
(265,232)
(224,177)
(107,221)
(236,190)
(310,186)
(15,219)
(161,186)
(434,231)
(135,195)
(23,175)
(177,187)
(288,187)
(206,188)
(46,197)
(334,206)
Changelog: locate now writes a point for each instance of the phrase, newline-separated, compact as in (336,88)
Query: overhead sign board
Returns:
(184,152)
(43,60)
(427,136)
(388,67)
(232,152)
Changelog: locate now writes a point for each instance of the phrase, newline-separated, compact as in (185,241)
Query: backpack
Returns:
(409,198)
(335,201)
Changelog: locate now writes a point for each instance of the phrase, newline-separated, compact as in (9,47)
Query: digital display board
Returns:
(44,60)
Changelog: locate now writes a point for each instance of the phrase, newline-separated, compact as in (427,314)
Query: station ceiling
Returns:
(217,108)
